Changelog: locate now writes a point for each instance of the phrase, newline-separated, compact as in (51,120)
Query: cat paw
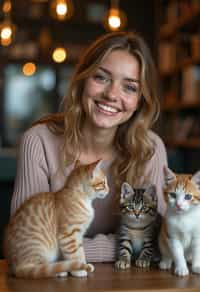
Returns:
(61,274)
(90,268)
(165,265)
(181,271)
(122,265)
(196,269)
(142,263)
(81,273)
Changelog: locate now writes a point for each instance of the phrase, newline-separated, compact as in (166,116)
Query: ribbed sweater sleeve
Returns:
(32,174)
(101,248)
(155,171)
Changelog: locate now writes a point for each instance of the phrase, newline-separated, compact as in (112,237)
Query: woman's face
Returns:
(111,93)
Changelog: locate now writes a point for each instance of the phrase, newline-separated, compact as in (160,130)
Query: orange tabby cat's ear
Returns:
(98,163)
(169,176)
(196,179)
(95,166)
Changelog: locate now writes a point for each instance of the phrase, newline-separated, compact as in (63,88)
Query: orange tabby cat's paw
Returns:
(90,268)
(61,274)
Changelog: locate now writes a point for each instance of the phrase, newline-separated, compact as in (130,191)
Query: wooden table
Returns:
(105,278)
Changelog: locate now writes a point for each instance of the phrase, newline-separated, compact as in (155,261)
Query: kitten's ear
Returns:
(126,192)
(96,166)
(151,192)
(196,179)
(169,176)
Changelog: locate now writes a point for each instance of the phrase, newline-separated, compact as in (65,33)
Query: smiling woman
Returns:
(111,93)
(107,114)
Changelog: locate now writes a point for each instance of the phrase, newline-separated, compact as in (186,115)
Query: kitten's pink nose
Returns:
(178,206)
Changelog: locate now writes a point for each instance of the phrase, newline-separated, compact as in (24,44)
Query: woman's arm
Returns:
(32,170)
(155,170)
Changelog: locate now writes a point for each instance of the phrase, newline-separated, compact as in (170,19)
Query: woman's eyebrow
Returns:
(126,78)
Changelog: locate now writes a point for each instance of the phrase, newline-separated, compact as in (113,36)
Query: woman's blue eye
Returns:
(130,88)
(100,77)
(188,197)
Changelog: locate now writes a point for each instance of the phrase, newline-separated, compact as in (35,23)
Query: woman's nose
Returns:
(112,92)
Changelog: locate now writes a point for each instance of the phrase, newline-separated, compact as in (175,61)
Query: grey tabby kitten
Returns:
(139,228)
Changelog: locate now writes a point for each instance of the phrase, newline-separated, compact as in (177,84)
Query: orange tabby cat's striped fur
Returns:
(45,236)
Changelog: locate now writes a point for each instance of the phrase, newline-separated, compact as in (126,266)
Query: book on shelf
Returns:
(195,46)
(167,56)
(191,84)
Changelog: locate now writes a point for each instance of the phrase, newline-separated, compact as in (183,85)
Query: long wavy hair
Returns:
(132,141)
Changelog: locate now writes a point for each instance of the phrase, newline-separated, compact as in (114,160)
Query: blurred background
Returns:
(41,41)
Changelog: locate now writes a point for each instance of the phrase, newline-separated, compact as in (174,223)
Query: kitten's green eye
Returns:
(128,208)
(173,194)
(188,197)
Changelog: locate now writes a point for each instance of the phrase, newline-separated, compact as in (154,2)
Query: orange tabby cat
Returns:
(45,236)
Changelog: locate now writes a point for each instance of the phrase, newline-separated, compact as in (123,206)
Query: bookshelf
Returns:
(179,68)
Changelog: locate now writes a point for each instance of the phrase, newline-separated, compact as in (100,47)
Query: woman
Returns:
(110,107)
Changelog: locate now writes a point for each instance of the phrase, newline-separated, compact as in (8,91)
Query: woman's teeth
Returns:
(107,108)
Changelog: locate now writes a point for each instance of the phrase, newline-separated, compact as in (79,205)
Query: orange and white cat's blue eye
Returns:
(188,197)
(172,194)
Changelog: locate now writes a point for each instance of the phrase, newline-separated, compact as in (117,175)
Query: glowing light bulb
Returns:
(114,21)
(29,69)
(61,9)
(6,32)
(59,55)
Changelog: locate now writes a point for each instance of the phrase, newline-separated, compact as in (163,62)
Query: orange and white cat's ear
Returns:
(169,176)
(126,192)
(196,179)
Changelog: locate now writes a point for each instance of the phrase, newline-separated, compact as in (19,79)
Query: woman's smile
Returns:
(106,109)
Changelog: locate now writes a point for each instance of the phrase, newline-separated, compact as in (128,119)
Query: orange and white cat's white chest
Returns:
(184,226)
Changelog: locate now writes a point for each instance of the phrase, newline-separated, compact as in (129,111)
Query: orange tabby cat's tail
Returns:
(35,271)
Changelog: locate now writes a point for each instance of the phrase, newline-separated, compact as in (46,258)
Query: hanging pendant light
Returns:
(61,9)
(7,28)
(59,55)
(115,18)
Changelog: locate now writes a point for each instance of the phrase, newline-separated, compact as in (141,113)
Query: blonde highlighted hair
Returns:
(132,141)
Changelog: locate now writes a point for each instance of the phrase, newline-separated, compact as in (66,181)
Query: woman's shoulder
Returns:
(160,151)
(156,139)
(40,134)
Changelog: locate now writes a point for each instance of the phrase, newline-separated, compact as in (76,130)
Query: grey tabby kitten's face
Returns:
(138,204)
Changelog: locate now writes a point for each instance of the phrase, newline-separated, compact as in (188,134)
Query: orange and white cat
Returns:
(45,236)
(180,233)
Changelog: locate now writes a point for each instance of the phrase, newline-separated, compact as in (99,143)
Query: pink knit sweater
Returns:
(37,171)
